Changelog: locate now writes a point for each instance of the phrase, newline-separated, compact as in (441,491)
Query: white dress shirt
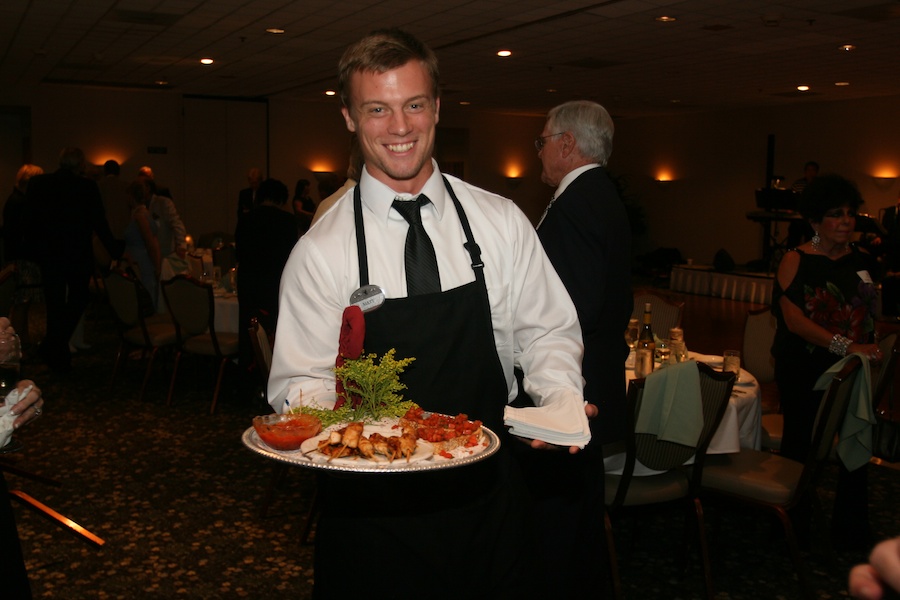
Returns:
(534,320)
(171,229)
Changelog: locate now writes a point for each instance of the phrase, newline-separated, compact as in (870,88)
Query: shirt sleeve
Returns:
(547,336)
(175,223)
(306,342)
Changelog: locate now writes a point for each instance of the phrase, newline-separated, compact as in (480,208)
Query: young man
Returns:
(492,300)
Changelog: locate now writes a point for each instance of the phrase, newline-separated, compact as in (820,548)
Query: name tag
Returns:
(864,275)
(368,297)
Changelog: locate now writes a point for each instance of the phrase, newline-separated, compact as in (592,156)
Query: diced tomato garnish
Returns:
(445,454)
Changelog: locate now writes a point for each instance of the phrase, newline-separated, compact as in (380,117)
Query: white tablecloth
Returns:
(740,427)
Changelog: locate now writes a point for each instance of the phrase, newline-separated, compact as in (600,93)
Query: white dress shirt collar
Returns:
(378,197)
(570,177)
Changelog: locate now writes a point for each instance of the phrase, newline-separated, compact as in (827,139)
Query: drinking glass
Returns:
(731,362)
(643,362)
(663,352)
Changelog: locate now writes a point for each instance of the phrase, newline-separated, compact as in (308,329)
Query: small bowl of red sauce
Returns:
(288,431)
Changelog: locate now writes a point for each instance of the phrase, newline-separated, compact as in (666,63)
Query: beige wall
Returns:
(717,159)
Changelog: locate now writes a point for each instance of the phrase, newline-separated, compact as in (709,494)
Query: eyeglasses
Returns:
(539,140)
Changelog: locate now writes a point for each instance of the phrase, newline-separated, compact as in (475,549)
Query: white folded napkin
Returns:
(558,423)
(6,417)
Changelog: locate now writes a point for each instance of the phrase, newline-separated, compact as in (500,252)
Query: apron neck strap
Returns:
(471,247)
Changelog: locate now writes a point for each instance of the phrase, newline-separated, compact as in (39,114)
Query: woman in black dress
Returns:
(824,300)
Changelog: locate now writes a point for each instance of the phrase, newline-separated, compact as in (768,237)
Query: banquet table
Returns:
(740,427)
(227,319)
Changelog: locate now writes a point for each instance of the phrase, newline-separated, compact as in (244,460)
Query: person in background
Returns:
(29,289)
(141,244)
(264,238)
(353,171)
(489,301)
(824,302)
(304,207)
(170,228)
(13,573)
(63,210)
(880,576)
(115,198)
(888,245)
(145,172)
(810,171)
(587,236)
(247,198)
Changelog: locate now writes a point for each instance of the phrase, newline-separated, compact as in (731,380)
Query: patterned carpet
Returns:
(176,496)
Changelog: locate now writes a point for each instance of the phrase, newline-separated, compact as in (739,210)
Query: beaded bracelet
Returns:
(839,345)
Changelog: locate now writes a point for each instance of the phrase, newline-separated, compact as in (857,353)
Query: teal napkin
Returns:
(855,438)
(671,407)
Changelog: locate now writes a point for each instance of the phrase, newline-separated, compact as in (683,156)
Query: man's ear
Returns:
(568,144)
(351,125)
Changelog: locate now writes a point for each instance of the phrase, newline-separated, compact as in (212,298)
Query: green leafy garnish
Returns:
(375,383)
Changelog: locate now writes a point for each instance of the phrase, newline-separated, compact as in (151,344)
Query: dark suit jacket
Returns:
(890,245)
(587,237)
(62,212)
(245,202)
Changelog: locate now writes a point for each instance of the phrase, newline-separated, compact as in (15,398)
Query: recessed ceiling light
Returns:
(464,103)
(206,61)
(847,48)
(551,90)
(275,30)
(666,19)
(330,92)
(803,88)
(161,82)
(504,53)
(841,83)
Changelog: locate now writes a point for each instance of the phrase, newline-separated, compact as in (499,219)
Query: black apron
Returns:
(432,534)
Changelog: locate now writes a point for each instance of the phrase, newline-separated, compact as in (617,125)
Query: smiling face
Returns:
(394,115)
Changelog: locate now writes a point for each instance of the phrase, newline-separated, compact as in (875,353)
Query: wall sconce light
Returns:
(323,175)
(513,182)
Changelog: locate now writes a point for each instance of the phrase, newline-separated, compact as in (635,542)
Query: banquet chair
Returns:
(884,380)
(225,257)
(193,309)
(666,313)
(756,352)
(676,482)
(195,266)
(772,424)
(145,333)
(262,351)
(773,483)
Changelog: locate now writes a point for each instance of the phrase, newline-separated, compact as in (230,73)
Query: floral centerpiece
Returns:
(367,388)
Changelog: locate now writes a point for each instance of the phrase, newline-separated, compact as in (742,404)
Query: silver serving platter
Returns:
(296,457)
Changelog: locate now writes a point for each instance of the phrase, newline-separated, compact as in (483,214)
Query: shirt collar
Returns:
(572,176)
(378,197)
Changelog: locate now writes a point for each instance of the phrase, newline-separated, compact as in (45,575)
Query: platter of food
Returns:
(419,441)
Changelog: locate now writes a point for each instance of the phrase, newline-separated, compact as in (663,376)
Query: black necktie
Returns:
(421,264)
